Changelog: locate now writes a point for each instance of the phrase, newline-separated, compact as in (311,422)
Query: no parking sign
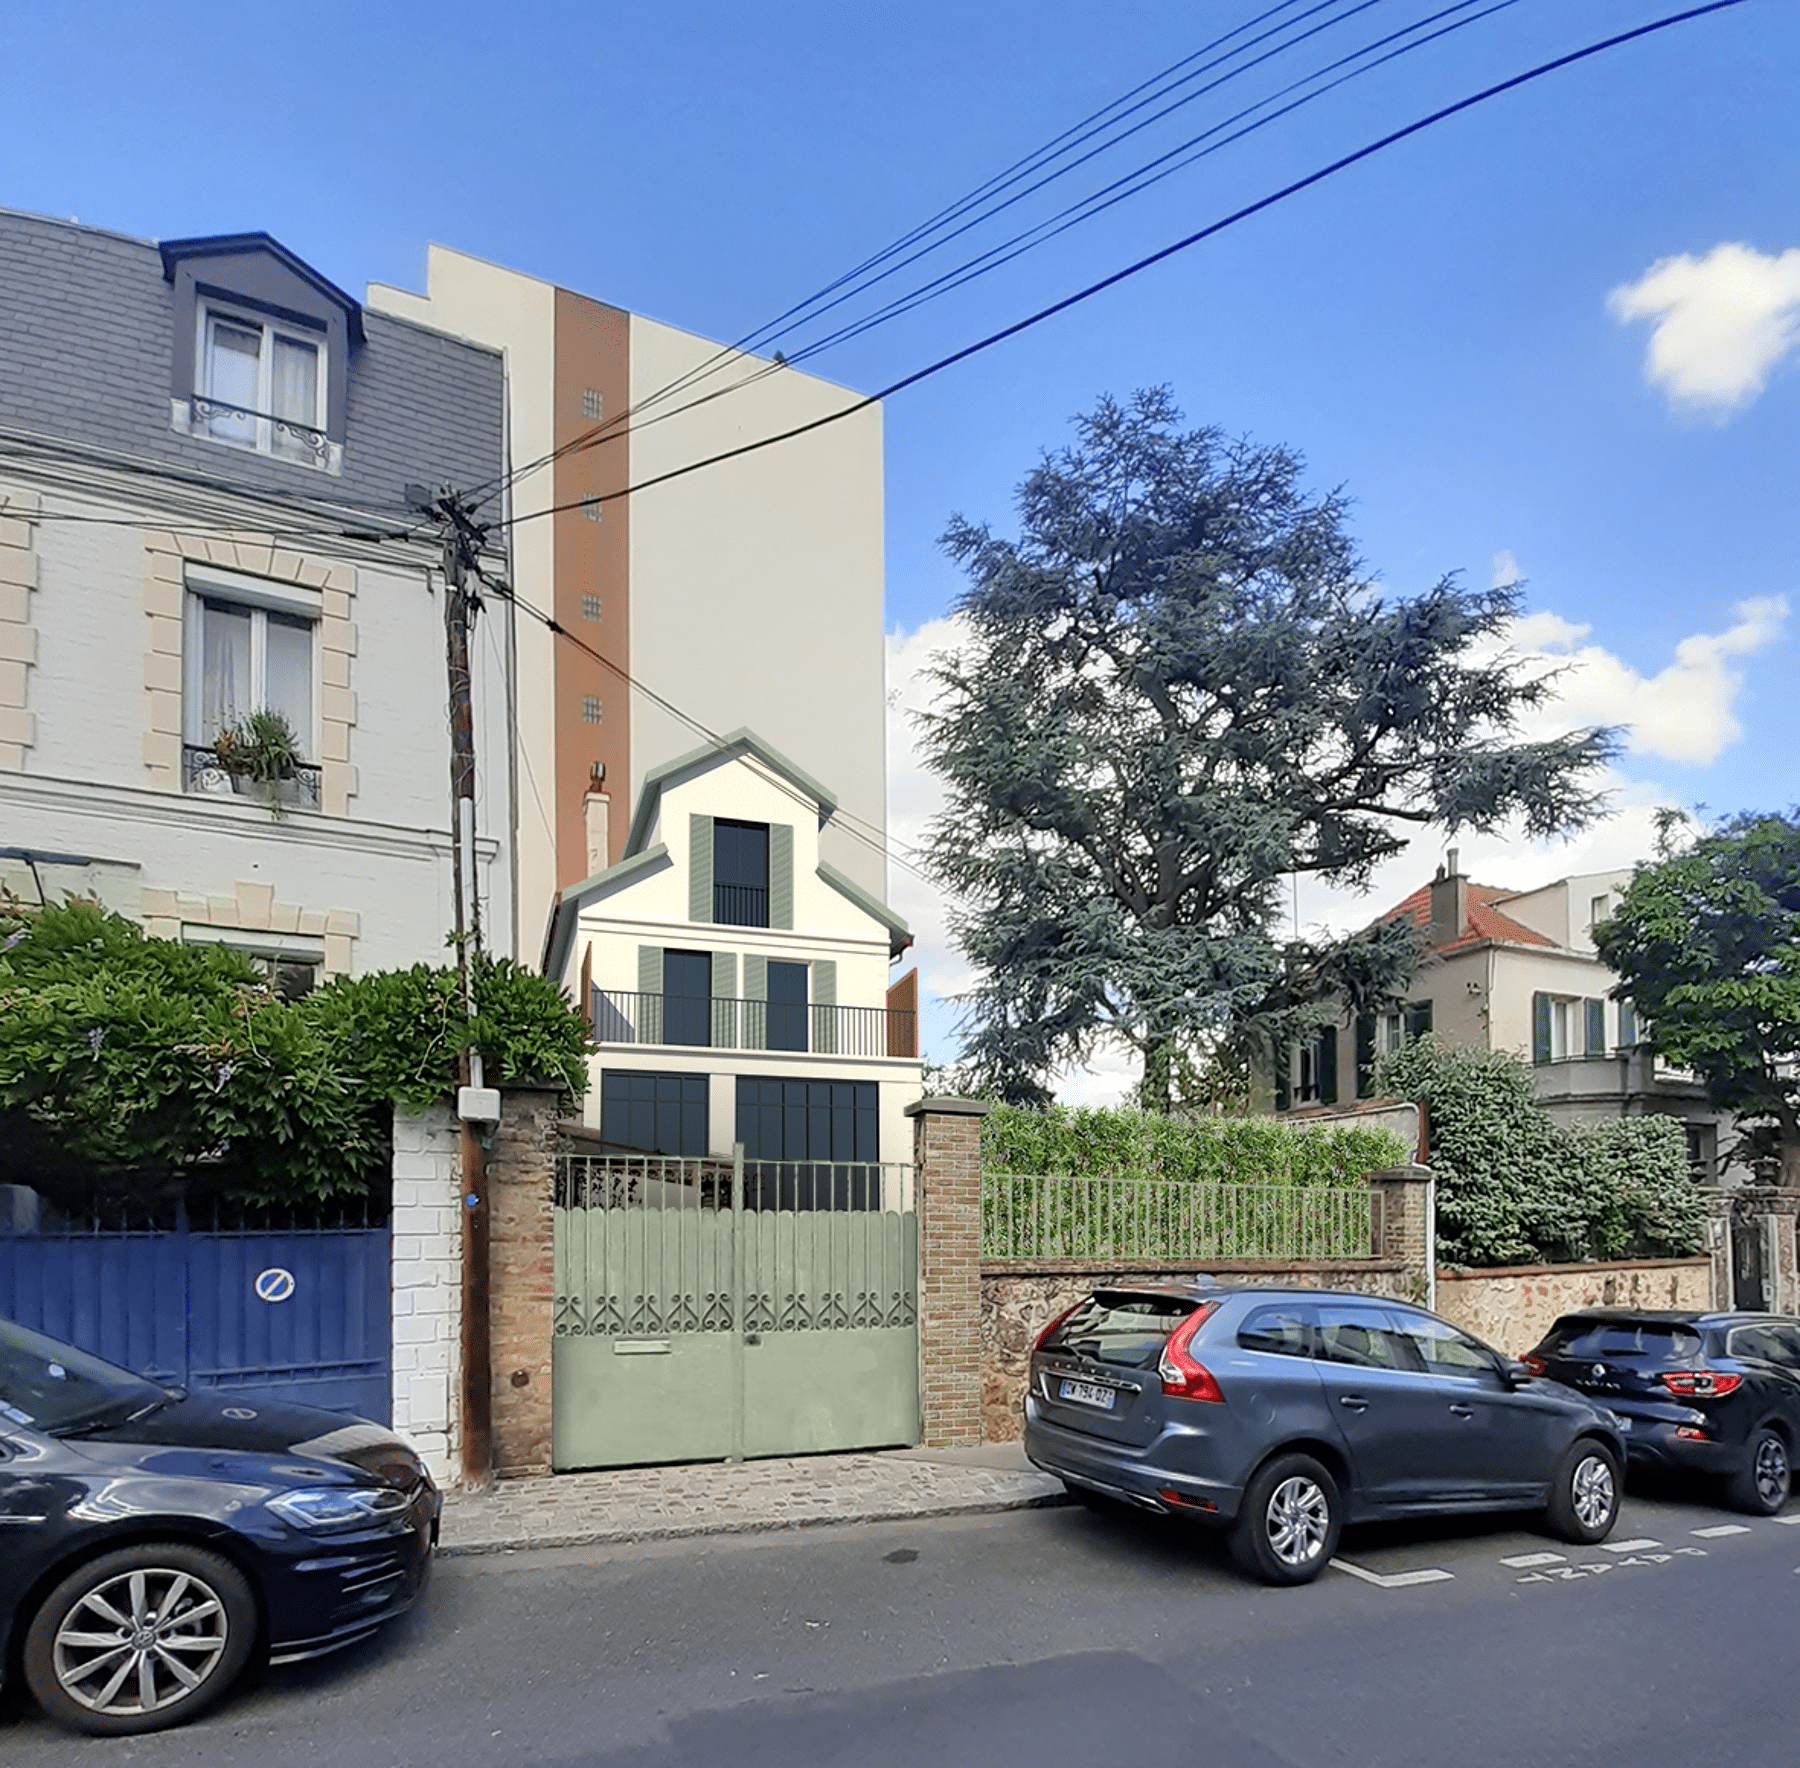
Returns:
(274,1284)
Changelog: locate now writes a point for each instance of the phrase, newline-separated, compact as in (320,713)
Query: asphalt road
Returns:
(1048,1639)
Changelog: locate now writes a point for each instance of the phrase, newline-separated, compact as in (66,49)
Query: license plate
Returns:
(1087,1393)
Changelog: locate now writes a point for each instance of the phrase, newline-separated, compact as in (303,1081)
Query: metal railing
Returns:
(282,436)
(661,1183)
(741,905)
(1042,1216)
(201,772)
(622,1016)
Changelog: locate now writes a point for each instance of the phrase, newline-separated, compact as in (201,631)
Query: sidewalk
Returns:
(717,1498)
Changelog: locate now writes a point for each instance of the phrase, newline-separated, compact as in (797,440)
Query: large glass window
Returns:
(648,1113)
(741,878)
(687,998)
(262,387)
(1361,1337)
(832,1125)
(1442,1349)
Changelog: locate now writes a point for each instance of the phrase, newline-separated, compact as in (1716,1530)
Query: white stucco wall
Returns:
(427,1276)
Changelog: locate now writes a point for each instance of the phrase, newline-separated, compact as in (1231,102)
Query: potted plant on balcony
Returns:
(260,752)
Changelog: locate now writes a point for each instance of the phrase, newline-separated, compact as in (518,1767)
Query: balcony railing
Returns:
(621,1016)
(741,905)
(261,430)
(202,773)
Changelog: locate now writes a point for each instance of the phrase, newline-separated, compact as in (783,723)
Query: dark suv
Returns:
(1715,1394)
(1284,1414)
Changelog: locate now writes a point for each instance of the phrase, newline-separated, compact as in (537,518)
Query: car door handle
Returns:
(1354,1402)
(1461,1411)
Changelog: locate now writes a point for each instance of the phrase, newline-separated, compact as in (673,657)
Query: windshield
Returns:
(55,1388)
(1127,1329)
(1661,1341)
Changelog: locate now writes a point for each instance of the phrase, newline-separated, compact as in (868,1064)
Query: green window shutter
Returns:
(1594,1038)
(1365,1055)
(1628,1025)
(1327,1065)
(724,997)
(781,875)
(650,987)
(756,995)
(823,986)
(1284,1060)
(700,868)
(1540,1028)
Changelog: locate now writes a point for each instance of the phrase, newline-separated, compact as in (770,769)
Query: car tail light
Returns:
(1173,1497)
(1533,1365)
(1693,1434)
(1181,1375)
(1054,1324)
(1689,1382)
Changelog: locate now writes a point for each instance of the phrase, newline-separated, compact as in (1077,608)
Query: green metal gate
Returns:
(713,1309)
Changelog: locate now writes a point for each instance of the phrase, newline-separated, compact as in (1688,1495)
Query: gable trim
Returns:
(742,741)
(899,934)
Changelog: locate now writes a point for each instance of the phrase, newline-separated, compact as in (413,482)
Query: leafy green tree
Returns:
(1707,946)
(1179,688)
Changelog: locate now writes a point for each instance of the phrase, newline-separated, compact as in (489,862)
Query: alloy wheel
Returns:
(1298,1518)
(1593,1491)
(140,1642)
(1771,1471)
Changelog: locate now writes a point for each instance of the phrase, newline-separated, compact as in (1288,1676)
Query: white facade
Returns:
(609,929)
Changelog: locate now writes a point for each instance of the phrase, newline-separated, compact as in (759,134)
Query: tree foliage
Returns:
(1707,946)
(1514,1187)
(129,1062)
(1178,688)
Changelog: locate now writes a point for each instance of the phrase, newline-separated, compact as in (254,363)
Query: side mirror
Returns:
(1513,1372)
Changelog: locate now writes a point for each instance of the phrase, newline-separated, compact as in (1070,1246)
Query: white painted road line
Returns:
(1719,1533)
(1524,1561)
(1636,1546)
(1393,1580)
(1787,1521)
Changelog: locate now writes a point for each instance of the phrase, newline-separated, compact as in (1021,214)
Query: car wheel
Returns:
(140,1638)
(1288,1524)
(1767,1480)
(1584,1495)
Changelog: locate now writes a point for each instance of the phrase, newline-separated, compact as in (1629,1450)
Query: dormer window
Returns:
(262,386)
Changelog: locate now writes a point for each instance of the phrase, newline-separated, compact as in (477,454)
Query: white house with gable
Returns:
(737,983)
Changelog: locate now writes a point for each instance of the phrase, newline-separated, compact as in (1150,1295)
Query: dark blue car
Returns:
(152,1541)
(1284,1414)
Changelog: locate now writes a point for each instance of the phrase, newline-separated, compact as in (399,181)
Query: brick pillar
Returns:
(1406,1226)
(521,1172)
(947,1186)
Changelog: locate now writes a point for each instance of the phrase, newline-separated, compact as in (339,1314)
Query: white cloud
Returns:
(1506,571)
(1721,324)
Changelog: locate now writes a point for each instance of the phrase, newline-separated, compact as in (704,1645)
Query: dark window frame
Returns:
(740,884)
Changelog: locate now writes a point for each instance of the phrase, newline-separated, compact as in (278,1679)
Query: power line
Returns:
(1343,163)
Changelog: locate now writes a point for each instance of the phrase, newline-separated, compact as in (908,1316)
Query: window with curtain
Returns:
(263,388)
(242,658)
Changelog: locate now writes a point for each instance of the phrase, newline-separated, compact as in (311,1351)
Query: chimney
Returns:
(1449,904)
(596,808)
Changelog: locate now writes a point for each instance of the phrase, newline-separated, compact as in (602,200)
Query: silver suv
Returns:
(1283,1414)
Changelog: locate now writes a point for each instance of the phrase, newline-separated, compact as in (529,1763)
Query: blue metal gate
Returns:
(297,1314)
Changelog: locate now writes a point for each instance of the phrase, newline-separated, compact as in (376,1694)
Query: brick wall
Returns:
(947,1179)
(521,1167)
(1406,1201)
(427,1278)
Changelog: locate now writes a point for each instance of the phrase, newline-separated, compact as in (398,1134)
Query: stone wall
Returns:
(1020,1297)
(1511,1307)
(427,1278)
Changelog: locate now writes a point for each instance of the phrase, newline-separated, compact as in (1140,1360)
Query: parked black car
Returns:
(152,1540)
(1284,1414)
(1708,1393)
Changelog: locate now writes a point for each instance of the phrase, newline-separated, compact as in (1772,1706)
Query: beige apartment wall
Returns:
(1520,972)
(1562,911)
(756,585)
(515,314)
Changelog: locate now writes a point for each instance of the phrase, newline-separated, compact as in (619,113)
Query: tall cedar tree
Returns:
(1178,688)
(1707,946)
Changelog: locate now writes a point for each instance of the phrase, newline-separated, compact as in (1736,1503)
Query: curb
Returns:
(680,1531)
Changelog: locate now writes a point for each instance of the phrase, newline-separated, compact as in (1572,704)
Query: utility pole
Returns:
(476,1105)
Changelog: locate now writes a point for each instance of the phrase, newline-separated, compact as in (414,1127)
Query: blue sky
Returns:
(1432,329)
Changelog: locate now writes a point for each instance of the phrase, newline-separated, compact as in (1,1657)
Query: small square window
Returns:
(590,708)
(591,405)
(590,507)
(590,607)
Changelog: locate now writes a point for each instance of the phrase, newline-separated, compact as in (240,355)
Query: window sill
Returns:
(203,777)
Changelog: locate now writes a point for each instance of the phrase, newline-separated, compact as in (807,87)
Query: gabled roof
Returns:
(1485,922)
(742,741)
(231,245)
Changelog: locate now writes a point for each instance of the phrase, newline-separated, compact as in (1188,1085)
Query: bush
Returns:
(1515,1188)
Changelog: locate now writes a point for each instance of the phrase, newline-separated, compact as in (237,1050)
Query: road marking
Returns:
(1787,1521)
(1630,1546)
(1523,1561)
(1393,1580)
(1718,1533)
(1648,1559)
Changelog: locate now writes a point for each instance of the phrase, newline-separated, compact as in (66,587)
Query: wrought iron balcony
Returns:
(621,1016)
(261,430)
(741,905)
(201,773)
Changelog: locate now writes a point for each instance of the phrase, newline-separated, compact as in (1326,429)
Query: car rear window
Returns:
(1652,1341)
(1129,1330)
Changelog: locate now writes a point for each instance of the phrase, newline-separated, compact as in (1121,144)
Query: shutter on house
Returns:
(724,1001)
(823,983)
(781,875)
(1365,1055)
(1327,1065)
(756,994)
(1594,1040)
(1540,1028)
(1284,1061)
(1628,1026)
(700,868)
(650,987)
(587,984)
